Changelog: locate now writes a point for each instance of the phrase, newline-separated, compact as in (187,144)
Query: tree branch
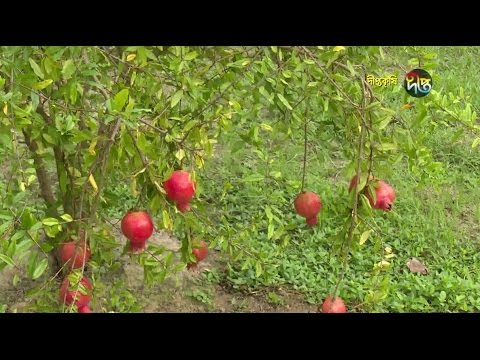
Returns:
(45,184)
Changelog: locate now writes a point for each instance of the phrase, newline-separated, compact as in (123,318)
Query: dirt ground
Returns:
(186,291)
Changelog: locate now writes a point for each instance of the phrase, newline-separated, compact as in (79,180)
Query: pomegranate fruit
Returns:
(84,309)
(69,296)
(183,207)
(336,306)
(385,197)
(137,226)
(179,187)
(384,194)
(74,253)
(200,251)
(308,205)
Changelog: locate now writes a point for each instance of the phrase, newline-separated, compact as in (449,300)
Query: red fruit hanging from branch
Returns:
(336,306)
(69,294)
(384,194)
(200,251)
(137,226)
(180,188)
(308,205)
(74,254)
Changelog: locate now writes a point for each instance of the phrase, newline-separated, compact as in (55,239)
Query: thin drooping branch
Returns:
(103,168)
(43,179)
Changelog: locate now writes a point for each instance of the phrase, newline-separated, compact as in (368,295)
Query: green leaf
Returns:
(475,143)
(387,147)
(364,237)
(120,100)
(36,68)
(284,101)
(271,229)
(176,98)
(67,217)
(40,268)
(268,211)
(258,269)
(42,84)
(190,125)
(350,67)
(4,227)
(50,221)
(7,259)
(443,296)
(191,55)
(68,69)
(49,139)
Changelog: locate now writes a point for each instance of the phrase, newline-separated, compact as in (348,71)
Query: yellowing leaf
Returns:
(91,148)
(133,186)
(407,106)
(365,236)
(167,222)
(199,161)
(131,57)
(266,127)
(92,181)
(338,48)
(388,249)
(5,109)
(42,84)
(389,256)
(382,264)
(22,186)
(67,217)
(180,154)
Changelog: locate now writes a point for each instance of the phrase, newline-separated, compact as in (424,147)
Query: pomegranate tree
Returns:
(137,226)
(308,205)
(74,254)
(180,188)
(69,293)
(333,306)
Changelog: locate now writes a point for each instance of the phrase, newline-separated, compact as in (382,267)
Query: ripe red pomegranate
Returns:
(179,187)
(68,296)
(308,205)
(336,306)
(385,196)
(183,207)
(84,309)
(137,226)
(384,193)
(74,253)
(200,251)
